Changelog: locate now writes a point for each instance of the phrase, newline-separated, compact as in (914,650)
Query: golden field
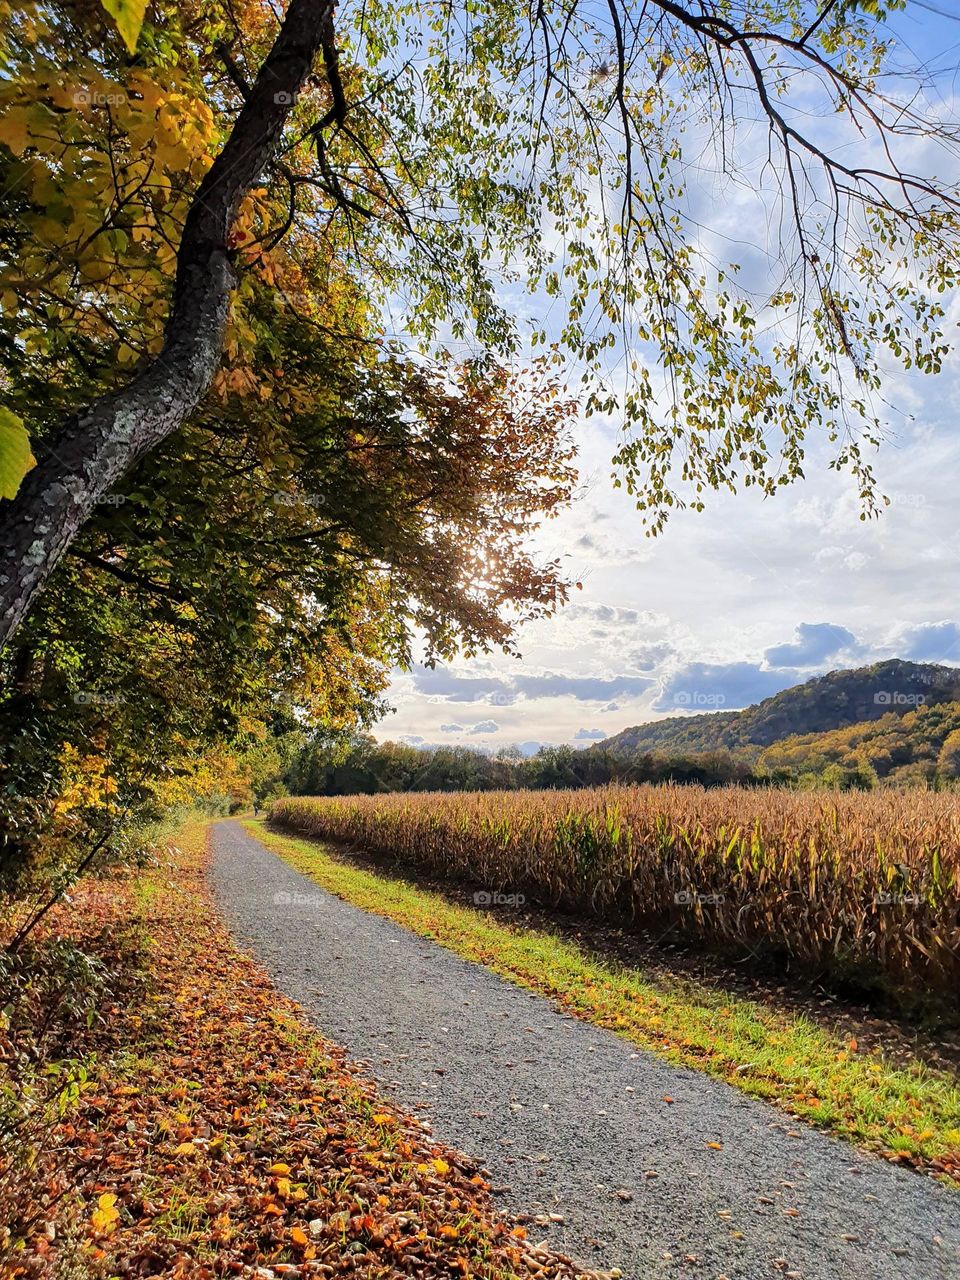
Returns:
(854,884)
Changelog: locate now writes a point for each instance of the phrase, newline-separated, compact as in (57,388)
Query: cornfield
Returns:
(853,884)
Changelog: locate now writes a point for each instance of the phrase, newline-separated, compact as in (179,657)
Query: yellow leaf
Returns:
(105,1217)
(15,129)
(128,15)
(15,456)
(441,1166)
(298,1236)
(279,1168)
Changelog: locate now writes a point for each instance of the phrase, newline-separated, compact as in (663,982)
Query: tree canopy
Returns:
(418,157)
(290,300)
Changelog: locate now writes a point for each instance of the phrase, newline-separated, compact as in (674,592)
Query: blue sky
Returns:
(748,597)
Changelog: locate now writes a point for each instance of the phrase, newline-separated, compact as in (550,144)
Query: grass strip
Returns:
(907,1114)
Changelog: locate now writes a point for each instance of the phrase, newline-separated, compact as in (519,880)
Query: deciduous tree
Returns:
(422,152)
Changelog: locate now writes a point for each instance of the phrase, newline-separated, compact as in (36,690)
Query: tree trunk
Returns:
(102,442)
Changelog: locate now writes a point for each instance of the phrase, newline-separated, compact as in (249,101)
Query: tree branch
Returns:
(100,443)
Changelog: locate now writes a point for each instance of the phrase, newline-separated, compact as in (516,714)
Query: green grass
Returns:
(907,1112)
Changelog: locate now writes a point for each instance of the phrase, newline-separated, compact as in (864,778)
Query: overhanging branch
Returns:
(98,445)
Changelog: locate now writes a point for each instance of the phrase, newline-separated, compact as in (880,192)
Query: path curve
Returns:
(570,1121)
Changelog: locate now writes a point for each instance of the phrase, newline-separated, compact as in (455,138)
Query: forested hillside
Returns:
(921,746)
(820,705)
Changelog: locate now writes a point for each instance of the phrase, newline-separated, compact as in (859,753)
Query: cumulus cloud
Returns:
(588,735)
(931,642)
(605,550)
(443,684)
(813,644)
(484,726)
(649,656)
(451,728)
(704,686)
(841,558)
(613,615)
(583,688)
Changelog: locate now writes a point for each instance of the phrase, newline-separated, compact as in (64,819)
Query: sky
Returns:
(729,605)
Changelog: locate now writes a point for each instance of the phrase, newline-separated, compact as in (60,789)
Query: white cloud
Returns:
(814,643)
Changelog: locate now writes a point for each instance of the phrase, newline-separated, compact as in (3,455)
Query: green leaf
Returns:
(15,456)
(128,15)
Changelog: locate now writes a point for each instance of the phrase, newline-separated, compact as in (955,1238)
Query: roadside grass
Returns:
(908,1114)
(216,1129)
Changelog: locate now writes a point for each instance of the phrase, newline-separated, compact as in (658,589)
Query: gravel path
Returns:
(570,1121)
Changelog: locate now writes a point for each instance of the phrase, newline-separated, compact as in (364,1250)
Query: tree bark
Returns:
(98,445)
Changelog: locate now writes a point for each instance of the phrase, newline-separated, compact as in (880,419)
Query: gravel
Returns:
(620,1160)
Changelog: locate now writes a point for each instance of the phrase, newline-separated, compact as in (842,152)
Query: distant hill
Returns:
(917,748)
(822,704)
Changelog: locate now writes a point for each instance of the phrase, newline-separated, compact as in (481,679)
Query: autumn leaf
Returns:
(15,129)
(105,1217)
(15,456)
(299,1237)
(128,15)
